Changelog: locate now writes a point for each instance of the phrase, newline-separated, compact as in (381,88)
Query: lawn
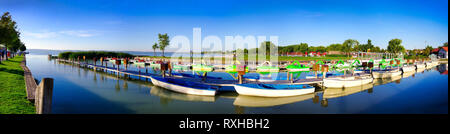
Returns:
(12,88)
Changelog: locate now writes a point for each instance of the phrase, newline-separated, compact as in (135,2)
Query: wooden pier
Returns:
(215,82)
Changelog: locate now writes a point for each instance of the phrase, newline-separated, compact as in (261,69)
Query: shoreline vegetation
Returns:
(12,88)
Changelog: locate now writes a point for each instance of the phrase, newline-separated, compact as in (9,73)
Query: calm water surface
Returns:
(78,90)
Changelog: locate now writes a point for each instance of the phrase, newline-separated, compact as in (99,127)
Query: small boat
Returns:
(155,64)
(349,81)
(387,73)
(273,90)
(232,68)
(267,67)
(202,68)
(186,87)
(158,91)
(406,69)
(420,66)
(296,66)
(320,75)
(341,65)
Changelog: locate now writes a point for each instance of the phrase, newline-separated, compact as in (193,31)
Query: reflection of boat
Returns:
(377,82)
(273,90)
(179,96)
(267,67)
(254,101)
(184,86)
(349,81)
(386,73)
(296,66)
(407,74)
(339,92)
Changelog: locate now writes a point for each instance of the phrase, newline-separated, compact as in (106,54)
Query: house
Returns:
(443,52)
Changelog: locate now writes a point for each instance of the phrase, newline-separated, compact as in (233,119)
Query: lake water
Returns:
(79,90)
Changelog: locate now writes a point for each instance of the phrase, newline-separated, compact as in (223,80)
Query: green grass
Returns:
(12,88)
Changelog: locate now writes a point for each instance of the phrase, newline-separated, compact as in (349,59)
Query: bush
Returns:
(92,54)
(336,55)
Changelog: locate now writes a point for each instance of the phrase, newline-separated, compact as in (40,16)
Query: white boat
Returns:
(273,90)
(349,81)
(386,74)
(406,69)
(158,91)
(184,86)
(420,66)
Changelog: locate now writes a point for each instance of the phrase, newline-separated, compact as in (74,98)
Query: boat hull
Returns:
(182,89)
(420,66)
(250,91)
(339,82)
(407,69)
(385,74)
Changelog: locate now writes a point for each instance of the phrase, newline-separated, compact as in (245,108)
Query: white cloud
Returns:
(76,33)
(80,33)
(41,35)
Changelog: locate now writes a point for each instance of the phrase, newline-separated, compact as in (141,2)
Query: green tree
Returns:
(155,46)
(268,45)
(22,47)
(395,46)
(163,42)
(347,46)
(427,51)
(302,47)
(334,47)
(446,44)
(8,32)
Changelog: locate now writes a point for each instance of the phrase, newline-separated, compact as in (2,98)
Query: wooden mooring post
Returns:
(44,94)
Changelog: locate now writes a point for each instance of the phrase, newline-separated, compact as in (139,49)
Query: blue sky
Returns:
(134,25)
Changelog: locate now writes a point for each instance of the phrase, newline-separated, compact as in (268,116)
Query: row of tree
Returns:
(347,46)
(9,34)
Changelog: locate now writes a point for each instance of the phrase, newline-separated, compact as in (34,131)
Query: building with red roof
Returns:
(443,52)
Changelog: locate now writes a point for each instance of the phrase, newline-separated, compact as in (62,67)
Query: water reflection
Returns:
(79,90)
(340,92)
(253,101)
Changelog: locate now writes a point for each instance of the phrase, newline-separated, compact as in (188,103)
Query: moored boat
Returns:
(386,73)
(406,69)
(273,90)
(296,66)
(420,66)
(184,86)
(267,67)
(348,81)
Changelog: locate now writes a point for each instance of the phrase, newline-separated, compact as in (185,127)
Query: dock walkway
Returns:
(209,81)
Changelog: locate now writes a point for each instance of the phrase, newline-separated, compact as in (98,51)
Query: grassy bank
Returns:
(12,88)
